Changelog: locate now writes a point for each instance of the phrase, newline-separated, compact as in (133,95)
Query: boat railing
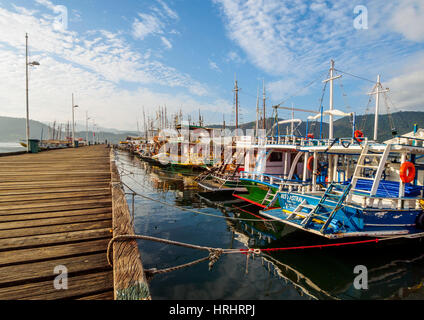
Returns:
(309,142)
(272,179)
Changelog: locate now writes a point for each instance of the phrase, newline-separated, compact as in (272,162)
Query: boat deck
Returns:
(56,210)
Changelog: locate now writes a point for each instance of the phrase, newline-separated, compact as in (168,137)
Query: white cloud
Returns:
(155,23)
(93,65)
(166,42)
(168,11)
(146,25)
(407,86)
(214,66)
(408,19)
(233,56)
(293,41)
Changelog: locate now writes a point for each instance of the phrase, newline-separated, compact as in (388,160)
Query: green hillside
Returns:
(403,122)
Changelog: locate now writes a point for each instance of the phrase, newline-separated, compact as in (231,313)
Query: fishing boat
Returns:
(372,189)
(358,187)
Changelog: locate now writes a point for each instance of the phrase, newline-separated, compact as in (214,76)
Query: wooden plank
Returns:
(48,184)
(53,221)
(4,234)
(42,270)
(52,252)
(52,196)
(51,190)
(108,295)
(77,205)
(33,205)
(54,214)
(44,290)
(54,238)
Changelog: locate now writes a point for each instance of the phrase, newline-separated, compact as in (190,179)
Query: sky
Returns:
(119,57)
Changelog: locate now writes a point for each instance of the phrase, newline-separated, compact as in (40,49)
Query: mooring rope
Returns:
(215,253)
(187,209)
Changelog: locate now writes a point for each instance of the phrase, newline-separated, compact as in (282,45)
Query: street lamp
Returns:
(28,64)
(86,127)
(73,121)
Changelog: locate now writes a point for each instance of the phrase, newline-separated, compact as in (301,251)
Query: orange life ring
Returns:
(359,135)
(407,172)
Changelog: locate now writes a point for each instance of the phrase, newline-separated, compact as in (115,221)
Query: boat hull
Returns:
(348,221)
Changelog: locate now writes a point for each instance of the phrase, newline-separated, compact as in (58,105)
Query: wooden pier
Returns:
(56,209)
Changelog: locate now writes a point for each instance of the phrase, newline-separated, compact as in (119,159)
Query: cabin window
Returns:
(276,157)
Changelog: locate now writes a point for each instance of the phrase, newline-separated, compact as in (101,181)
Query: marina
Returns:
(216,150)
(295,274)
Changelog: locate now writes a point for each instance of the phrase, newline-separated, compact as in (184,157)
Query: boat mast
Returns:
(331,79)
(377,92)
(292,124)
(236,90)
(264,106)
(257,113)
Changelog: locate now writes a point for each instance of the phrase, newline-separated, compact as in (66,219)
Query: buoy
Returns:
(359,135)
(407,172)
(311,136)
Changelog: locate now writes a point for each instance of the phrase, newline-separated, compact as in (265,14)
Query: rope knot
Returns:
(214,255)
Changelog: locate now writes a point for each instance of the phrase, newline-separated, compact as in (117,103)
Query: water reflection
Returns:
(395,270)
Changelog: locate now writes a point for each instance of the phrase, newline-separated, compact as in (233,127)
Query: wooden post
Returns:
(129,279)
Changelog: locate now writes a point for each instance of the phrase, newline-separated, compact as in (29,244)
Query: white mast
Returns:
(331,131)
(292,124)
(257,113)
(377,92)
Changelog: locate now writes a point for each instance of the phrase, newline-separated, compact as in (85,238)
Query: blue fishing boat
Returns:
(345,187)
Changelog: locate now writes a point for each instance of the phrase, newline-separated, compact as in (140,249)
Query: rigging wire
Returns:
(355,76)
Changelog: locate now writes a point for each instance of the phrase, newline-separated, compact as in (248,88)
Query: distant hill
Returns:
(403,122)
(14,130)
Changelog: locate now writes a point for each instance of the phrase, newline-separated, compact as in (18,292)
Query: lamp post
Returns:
(86,127)
(28,64)
(73,121)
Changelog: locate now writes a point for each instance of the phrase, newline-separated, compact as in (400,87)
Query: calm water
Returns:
(395,271)
(10,147)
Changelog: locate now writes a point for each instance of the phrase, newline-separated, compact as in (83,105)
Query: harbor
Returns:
(395,272)
(223,151)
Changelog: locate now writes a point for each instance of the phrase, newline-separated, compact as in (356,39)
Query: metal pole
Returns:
(331,133)
(264,106)
(377,98)
(27,98)
(73,123)
(86,127)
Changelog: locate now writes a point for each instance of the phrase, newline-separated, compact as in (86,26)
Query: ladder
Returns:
(298,210)
(272,197)
(361,165)
(326,211)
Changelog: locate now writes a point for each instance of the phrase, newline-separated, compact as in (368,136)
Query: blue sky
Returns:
(118,56)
